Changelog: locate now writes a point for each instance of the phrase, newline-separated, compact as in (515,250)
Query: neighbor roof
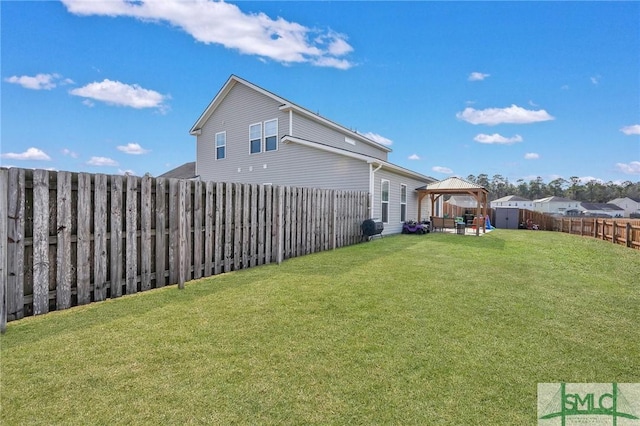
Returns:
(511,198)
(554,199)
(600,206)
(185,171)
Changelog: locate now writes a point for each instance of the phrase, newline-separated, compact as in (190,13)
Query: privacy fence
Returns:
(70,239)
(621,231)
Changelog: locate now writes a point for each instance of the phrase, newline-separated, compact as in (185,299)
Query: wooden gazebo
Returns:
(456,186)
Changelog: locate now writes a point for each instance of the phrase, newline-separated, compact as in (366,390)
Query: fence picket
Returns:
(4,202)
(40,242)
(99,237)
(63,231)
(145,233)
(161,234)
(83,245)
(209,242)
(15,249)
(115,261)
(131,242)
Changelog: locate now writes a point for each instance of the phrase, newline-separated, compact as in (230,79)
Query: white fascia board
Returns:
(365,158)
(232,81)
(331,124)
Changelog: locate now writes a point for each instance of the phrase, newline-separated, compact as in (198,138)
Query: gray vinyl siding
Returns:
(297,165)
(291,164)
(242,107)
(307,129)
(395,180)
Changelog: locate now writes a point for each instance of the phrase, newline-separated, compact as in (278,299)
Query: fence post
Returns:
(614,237)
(628,234)
(4,201)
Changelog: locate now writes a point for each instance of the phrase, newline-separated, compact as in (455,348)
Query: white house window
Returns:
(403,203)
(255,137)
(384,197)
(221,145)
(271,135)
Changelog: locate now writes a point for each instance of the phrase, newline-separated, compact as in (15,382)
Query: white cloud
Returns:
(132,148)
(513,114)
(631,130)
(441,169)
(222,23)
(414,157)
(102,161)
(632,168)
(29,154)
(377,138)
(477,76)
(39,81)
(595,79)
(69,153)
(127,172)
(531,156)
(497,139)
(120,94)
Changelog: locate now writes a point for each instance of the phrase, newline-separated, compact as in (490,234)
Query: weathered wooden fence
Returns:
(70,239)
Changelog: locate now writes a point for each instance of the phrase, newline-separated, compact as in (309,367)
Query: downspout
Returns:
(372,187)
(290,122)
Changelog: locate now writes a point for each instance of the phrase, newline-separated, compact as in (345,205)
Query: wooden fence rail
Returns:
(621,231)
(69,239)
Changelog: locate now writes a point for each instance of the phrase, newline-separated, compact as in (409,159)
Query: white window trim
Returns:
(382,202)
(403,203)
(216,145)
(265,136)
(261,137)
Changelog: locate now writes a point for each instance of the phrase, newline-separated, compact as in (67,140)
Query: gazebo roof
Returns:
(452,185)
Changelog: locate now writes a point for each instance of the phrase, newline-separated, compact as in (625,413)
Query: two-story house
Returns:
(555,205)
(250,135)
(630,205)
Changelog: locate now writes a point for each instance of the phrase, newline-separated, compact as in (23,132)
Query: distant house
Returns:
(601,209)
(512,201)
(555,205)
(629,205)
(250,135)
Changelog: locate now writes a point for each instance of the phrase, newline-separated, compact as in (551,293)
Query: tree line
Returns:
(592,191)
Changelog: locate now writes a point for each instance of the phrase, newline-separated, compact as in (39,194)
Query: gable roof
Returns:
(510,198)
(618,200)
(601,206)
(185,171)
(554,199)
(452,184)
(285,105)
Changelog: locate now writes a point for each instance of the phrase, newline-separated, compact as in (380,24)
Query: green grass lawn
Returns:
(433,329)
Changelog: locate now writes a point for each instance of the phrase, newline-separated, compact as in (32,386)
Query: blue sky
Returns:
(520,89)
